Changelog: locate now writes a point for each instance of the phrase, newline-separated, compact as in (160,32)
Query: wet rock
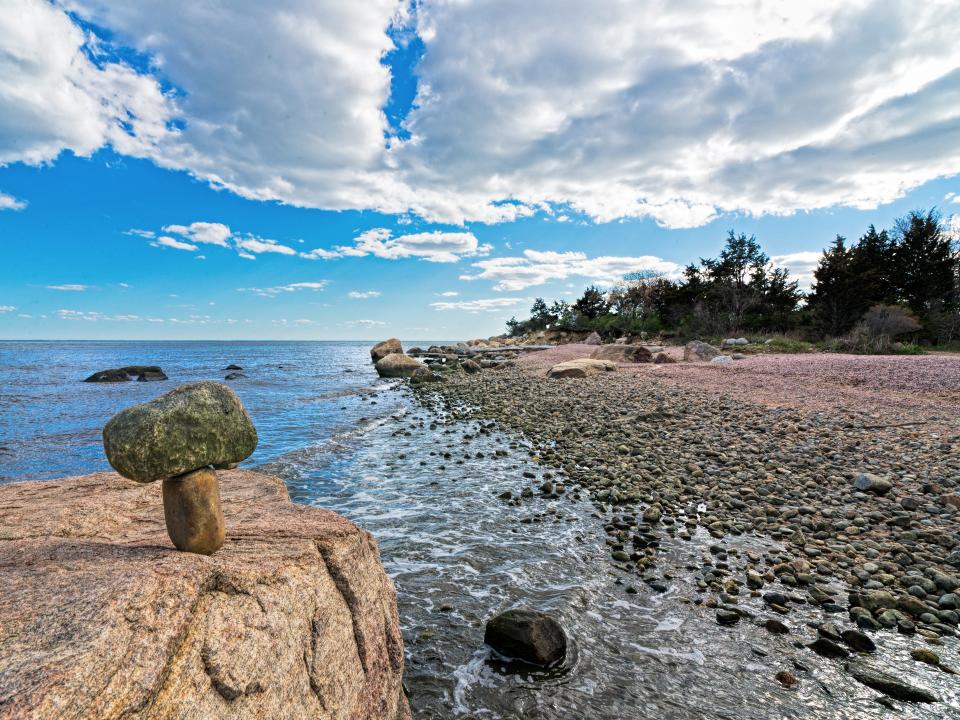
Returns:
(395,365)
(382,349)
(859,641)
(194,426)
(470,367)
(125,374)
(786,678)
(868,482)
(528,635)
(776,627)
(925,656)
(234,376)
(424,375)
(191,508)
(152,376)
(828,648)
(890,685)
(728,617)
(231,366)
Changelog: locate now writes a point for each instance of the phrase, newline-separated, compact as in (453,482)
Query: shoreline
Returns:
(663,458)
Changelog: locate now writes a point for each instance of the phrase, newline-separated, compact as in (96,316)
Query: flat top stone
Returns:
(194,426)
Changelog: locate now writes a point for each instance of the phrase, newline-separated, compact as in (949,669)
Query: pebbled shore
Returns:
(849,466)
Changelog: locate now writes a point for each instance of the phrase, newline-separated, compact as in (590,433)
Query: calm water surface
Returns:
(425,483)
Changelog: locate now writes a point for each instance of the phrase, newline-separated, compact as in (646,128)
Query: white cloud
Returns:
(169,242)
(365,323)
(363,294)
(262,245)
(7,308)
(320,254)
(485,305)
(70,287)
(437,246)
(538,267)
(800,264)
(202,232)
(9,202)
(678,111)
(93,316)
(448,293)
(289,288)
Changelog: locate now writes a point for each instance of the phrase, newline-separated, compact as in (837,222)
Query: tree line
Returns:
(904,281)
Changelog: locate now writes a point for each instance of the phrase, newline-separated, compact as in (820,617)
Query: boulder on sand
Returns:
(593,339)
(382,349)
(194,426)
(623,353)
(581,368)
(470,367)
(397,365)
(100,617)
(527,635)
(697,351)
(143,373)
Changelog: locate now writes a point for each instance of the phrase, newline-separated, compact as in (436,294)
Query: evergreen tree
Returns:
(924,263)
(871,263)
(834,300)
(592,304)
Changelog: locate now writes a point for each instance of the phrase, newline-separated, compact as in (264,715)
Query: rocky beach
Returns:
(843,473)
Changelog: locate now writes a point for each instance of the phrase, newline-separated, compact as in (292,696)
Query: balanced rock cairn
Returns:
(182,438)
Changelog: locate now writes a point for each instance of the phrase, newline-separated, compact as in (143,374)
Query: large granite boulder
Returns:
(623,353)
(196,425)
(698,351)
(397,365)
(581,368)
(100,617)
(382,349)
(593,339)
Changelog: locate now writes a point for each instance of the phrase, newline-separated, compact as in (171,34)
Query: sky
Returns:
(314,169)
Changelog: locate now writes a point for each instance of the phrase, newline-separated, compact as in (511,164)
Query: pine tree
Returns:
(834,300)
(924,263)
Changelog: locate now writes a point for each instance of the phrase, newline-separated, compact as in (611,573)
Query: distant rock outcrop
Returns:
(100,617)
(143,373)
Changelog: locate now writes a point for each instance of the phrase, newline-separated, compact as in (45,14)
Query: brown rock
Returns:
(100,618)
(382,349)
(622,353)
(191,507)
(662,358)
(581,368)
(397,365)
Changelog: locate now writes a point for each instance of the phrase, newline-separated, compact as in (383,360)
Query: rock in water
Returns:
(102,618)
(890,685)
(124,374)
(623,353)
(194,426)
(398,365)
(191,507)
(382,349)
(531,636)
(696,351)
(580,368)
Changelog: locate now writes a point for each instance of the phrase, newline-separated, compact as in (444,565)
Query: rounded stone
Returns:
(527,635)
(194,426)
(191,507)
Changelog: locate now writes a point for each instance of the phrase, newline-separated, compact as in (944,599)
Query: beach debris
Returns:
(143,373)
(181,438)
(527,635)
(623,353)
(581,368)
(382,349)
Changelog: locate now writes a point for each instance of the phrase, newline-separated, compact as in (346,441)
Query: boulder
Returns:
(623,353)
(736,341)
(232,366)
(382,349)
(470,367)
(581,368)
(721,360)
(662,358)
(697,351)
(194,426)
(141,372)
(593,339)
(397,365)
(867,482)
(527,635)
(424,375)
(101,617)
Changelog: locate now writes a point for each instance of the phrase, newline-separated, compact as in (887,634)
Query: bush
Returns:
(889,321)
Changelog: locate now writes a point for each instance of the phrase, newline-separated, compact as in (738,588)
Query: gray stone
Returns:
(527,635)
(397,365)
(194,426)
(696,350)
(890,685)
(867,482)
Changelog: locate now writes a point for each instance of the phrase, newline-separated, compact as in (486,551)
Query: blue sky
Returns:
(316,171)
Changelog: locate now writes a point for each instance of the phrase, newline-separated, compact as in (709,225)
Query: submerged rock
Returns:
(382,349)
(890,685)
(101,617)
(527,635)
(194,426)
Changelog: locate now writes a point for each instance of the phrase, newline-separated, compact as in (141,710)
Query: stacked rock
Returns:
(182,438)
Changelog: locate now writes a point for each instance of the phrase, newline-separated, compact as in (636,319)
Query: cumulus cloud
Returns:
(9,202)
(437,246)
(800,264)
(195,234)
(93,316)
(206,233)
(283,289)
(363,294)
(7,308)
(69,287)
(484,305)
(677,111)
(169,242)
(448,293)
(537,267)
